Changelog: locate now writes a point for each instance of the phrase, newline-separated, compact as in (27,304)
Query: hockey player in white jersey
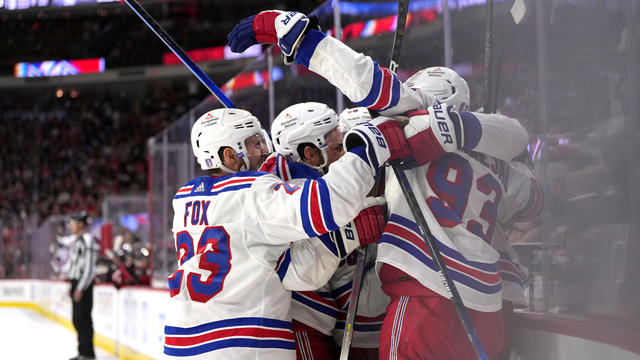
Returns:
(307,140)
(231,228)
(462,193)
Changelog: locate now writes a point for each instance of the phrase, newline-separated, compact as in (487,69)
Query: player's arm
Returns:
(438,130)
(358,77)
(307,265)
(287,212)
(310,263)
(523,201)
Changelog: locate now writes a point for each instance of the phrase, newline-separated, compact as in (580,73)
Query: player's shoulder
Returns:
(287,170)
(216,185)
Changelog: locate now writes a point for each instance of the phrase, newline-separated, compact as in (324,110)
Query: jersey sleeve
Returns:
(358,77)
(495,135)
(307,264)
(286,212)
(523,200)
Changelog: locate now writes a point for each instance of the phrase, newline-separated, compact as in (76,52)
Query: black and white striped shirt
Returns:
(83,260)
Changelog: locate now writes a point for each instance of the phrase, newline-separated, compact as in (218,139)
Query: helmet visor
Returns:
(257,149)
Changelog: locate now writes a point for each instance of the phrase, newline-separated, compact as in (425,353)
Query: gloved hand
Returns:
(383,140)
(371,221)
(286,29)
(433,132)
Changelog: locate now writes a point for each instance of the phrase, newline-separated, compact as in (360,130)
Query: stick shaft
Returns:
(176,49)
(398,38)
(439,262)
(358,278)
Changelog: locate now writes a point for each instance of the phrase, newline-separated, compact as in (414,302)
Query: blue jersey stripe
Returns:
(492,268)
(247,321)
(472,130)
(227,343)
(507,276)
(454,274)
(376,85)
(314,305)
(227,189)
(304,210)
(341,290)
(284,265)
(328,243)
(360,326)
(327,212)
(308,47)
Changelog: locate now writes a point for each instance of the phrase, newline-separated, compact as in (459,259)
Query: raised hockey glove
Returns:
(371,221)
(286,29)
(383,140)
(433,132)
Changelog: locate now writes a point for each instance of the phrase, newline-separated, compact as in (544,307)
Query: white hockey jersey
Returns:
(227,299)
(522,203)
(315,307)
(460,197)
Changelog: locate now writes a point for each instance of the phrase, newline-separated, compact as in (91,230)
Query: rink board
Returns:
(129,324)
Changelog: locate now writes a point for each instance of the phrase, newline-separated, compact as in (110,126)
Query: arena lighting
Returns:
(251,78)
(59,67)
(382,25)
(211,54)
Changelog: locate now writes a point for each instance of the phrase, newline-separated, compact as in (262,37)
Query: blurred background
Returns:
(95,114)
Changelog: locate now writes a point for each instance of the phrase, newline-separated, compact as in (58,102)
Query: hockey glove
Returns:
(382,138)
(366,228)
(371,221)
(432,133)
(270,27)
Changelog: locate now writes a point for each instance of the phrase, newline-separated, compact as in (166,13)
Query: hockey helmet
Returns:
(301,123)
(443,83)
(81,216)
(224,128)
(351,117)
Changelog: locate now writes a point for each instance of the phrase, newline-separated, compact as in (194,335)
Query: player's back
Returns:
(225,277)
(459,195)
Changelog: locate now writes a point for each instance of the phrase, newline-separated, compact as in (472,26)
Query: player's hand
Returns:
(270,27)
(371,221)
(432,133)
(383,139)
(77,295)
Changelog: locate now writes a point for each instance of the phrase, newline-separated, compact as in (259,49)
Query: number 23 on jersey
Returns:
(214,263)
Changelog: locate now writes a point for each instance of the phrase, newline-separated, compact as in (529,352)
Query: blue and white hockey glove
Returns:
(383,140)
(433,132)
(285,28)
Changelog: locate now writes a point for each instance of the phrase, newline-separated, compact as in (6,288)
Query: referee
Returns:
(81,273)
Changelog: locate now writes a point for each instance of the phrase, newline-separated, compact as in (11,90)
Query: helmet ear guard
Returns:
(444,84)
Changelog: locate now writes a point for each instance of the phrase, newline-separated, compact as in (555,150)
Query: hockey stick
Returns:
(358,276)
(176,49)
(488,61)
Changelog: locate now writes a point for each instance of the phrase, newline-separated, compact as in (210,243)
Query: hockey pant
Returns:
(420,324)
(81,316)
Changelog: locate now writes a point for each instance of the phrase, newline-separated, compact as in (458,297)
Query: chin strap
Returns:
(245,165)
